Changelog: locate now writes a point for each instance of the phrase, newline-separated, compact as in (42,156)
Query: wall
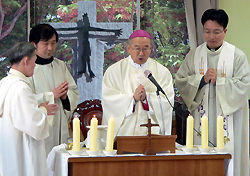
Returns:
(239,24)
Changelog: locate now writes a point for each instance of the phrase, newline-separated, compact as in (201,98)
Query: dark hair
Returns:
(220,16)
(42,32)
(19,51)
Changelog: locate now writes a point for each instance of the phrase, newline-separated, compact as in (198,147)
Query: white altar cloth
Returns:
(57,159)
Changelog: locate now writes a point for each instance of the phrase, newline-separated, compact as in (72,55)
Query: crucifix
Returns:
(90,39)
(149,150)
(83,29)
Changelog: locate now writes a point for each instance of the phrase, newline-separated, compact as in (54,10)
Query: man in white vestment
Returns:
(214,80)
(23,125)
(53,82)
(130,97)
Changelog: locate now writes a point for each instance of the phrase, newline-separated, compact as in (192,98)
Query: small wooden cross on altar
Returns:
(149,151)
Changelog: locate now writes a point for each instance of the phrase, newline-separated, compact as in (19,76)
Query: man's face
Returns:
(140,49)
(213,33)
(30,66)
(46,49)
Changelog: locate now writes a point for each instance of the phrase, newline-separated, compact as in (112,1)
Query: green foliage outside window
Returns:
(163,19)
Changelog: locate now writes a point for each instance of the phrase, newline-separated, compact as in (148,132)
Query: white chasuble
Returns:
(44,80)
(118,87)
(224,69)
(23,128)
(232,98)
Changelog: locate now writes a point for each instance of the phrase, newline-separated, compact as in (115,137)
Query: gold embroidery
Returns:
(223,70)
(201,65)
(226,140)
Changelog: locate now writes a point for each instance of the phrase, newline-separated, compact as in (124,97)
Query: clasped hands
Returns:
(140,93)
(61,90)
(211,75)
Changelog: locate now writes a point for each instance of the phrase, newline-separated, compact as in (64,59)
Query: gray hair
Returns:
(19,51)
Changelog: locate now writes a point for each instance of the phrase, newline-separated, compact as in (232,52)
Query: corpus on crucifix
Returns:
(83,27)
(149,151)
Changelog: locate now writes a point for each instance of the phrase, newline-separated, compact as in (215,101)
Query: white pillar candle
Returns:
(110,134)
(220,133)
(93,134)
(204,132)
(76,134)
(189,135)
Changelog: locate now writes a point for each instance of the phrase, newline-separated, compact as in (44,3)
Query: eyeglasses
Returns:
(215,33)
(138,50)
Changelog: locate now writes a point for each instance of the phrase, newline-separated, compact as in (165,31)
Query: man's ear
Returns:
(33,44)
(25,60)
(128,48)
(225,30)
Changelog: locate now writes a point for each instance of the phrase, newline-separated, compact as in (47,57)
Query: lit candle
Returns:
(76,134)
(189,136)
(204,132)
(220,133)
(93,134)
(110,134)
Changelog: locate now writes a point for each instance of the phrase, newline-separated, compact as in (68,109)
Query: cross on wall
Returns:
(101,36)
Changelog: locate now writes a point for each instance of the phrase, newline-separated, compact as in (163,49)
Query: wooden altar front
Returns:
(172,165)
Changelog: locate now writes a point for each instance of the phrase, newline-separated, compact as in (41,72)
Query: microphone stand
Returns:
(162,114)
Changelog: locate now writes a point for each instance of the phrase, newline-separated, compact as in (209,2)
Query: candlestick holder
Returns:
(206,150)
(77,153)
(220,150)
(93,153)
(189,150)
(110,153)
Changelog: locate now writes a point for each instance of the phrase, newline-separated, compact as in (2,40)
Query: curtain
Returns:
(194,10)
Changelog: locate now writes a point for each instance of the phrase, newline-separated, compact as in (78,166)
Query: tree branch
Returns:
(2,17)
(13,22)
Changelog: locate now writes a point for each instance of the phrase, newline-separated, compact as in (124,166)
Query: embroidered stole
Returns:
(224,70)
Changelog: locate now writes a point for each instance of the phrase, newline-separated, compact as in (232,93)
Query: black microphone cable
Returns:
(174,109)
(159,89)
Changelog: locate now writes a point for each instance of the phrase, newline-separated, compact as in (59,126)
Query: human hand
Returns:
(51,108)
(140,93)
(211,74)
(61,90)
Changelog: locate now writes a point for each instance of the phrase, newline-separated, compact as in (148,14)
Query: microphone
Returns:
(148,74)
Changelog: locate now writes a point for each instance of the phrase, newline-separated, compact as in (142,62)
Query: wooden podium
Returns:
(149,145)
(139,144)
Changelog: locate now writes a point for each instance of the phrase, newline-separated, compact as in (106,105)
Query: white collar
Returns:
(138,66)
(17,74)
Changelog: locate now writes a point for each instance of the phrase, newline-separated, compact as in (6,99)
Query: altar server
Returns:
(23,125)
(130,96)
(53,82)
(214,80)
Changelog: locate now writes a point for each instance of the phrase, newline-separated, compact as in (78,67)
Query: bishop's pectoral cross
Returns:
(149,151)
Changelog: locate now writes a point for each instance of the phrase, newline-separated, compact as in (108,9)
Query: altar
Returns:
(174,164)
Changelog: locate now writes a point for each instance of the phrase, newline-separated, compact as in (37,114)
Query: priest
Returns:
(130,97)
(214,79)
(23,125)
(53,82)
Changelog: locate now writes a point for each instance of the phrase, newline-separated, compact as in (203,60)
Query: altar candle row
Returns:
(93,134)
(110,134)
(204,132)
